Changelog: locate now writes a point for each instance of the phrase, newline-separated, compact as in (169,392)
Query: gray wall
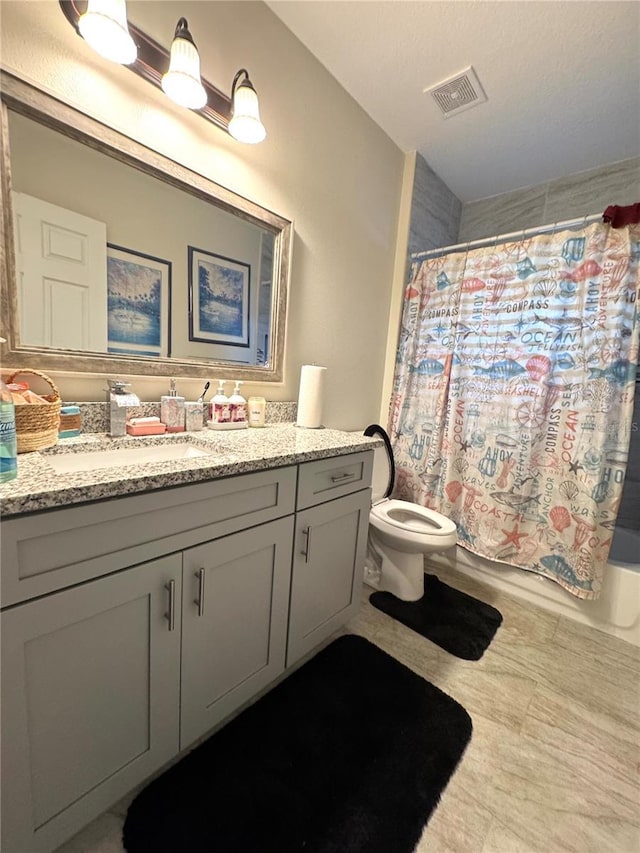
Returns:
(565,198)
(435,211)
(629,512)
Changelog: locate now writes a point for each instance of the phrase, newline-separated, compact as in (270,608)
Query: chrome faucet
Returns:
(119,400)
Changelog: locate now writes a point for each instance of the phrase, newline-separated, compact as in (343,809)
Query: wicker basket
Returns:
(37,423)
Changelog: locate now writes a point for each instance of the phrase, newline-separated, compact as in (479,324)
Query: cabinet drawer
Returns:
(332,478)
(43,552)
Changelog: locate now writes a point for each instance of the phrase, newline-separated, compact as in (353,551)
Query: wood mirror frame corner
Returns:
(29,101)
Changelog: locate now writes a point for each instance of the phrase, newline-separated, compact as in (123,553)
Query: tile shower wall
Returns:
(435,211)
(629,512)
(565,198)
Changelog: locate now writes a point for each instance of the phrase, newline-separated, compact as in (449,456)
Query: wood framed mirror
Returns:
(182,277)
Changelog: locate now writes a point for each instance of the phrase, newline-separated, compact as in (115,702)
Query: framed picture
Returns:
(218,299)
(138,302)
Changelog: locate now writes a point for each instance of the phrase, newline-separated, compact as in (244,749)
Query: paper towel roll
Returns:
(310,396)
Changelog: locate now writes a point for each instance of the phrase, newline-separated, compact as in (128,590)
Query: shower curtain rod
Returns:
(503,238)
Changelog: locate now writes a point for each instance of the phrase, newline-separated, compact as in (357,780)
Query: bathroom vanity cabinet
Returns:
(330,543)
(133,627)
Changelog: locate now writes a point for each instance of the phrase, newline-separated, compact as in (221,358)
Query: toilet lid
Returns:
(384,472)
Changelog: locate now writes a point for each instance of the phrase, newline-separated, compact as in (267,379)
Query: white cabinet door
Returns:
(234,622)
(90,700)
(328,562)
(61,268)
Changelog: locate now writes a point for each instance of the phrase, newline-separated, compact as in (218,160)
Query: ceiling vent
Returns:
(458,93)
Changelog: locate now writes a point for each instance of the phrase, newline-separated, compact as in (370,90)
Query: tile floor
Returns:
(554,760)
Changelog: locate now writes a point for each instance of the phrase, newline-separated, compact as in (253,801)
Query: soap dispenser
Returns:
(238,405)
(172,410)
(219,406)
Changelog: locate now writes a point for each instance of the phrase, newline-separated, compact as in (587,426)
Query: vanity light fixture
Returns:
(182,81)
(104,27)
(245,124)
(238,115)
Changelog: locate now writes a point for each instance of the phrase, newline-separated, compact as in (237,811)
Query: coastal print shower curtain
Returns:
(513,393)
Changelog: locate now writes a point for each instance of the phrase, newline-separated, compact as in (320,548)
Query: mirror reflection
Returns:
(112,260)
(127,262)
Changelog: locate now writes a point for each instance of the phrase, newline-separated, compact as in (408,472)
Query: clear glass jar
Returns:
(256,408)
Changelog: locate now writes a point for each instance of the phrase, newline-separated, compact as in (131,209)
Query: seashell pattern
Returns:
(545,287)
(568,490)
(453,490)
(560,518)
(538,367)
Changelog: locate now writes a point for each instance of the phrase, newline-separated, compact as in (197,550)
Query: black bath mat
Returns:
(349,754)
(453,620)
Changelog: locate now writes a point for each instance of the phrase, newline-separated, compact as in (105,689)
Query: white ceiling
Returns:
(562,79)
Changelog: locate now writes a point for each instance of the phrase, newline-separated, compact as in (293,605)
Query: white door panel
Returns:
(61,261)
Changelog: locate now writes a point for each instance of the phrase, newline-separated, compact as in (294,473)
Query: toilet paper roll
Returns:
(310,396)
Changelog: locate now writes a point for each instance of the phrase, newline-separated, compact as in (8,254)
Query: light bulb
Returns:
(245,126)
(182,81)
(104,27)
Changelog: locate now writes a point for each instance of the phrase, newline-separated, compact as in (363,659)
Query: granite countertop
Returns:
(39,487)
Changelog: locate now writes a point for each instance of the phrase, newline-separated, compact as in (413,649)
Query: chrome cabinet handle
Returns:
(307,549)
(200,599)
(341,478)
(170,615)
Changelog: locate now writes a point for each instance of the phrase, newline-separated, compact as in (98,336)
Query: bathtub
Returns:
(616,612)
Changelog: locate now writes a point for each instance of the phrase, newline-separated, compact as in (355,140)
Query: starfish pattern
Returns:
(464,445)
(513,536)
(574,467)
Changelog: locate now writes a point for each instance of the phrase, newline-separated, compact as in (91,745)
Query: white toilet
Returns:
(400,533)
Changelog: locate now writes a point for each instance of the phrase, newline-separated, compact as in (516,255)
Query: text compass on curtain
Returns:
(104,25)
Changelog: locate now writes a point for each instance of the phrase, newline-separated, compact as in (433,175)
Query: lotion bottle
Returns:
(172,410)
(219,406)
(8,447)
(238,405)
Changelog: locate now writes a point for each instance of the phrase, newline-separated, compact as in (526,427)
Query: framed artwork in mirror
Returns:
(219,297)
(139,303)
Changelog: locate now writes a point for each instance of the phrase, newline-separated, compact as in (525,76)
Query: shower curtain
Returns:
(513,393)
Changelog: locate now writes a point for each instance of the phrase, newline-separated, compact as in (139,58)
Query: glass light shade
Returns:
(245,126)
(104,27)
(182,81)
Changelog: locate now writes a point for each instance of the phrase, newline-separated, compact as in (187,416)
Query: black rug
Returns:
(453,620)
(349,754)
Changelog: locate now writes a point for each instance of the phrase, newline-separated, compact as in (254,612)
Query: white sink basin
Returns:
(68,463)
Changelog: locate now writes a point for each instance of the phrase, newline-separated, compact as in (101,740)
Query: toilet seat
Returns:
(412,517)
